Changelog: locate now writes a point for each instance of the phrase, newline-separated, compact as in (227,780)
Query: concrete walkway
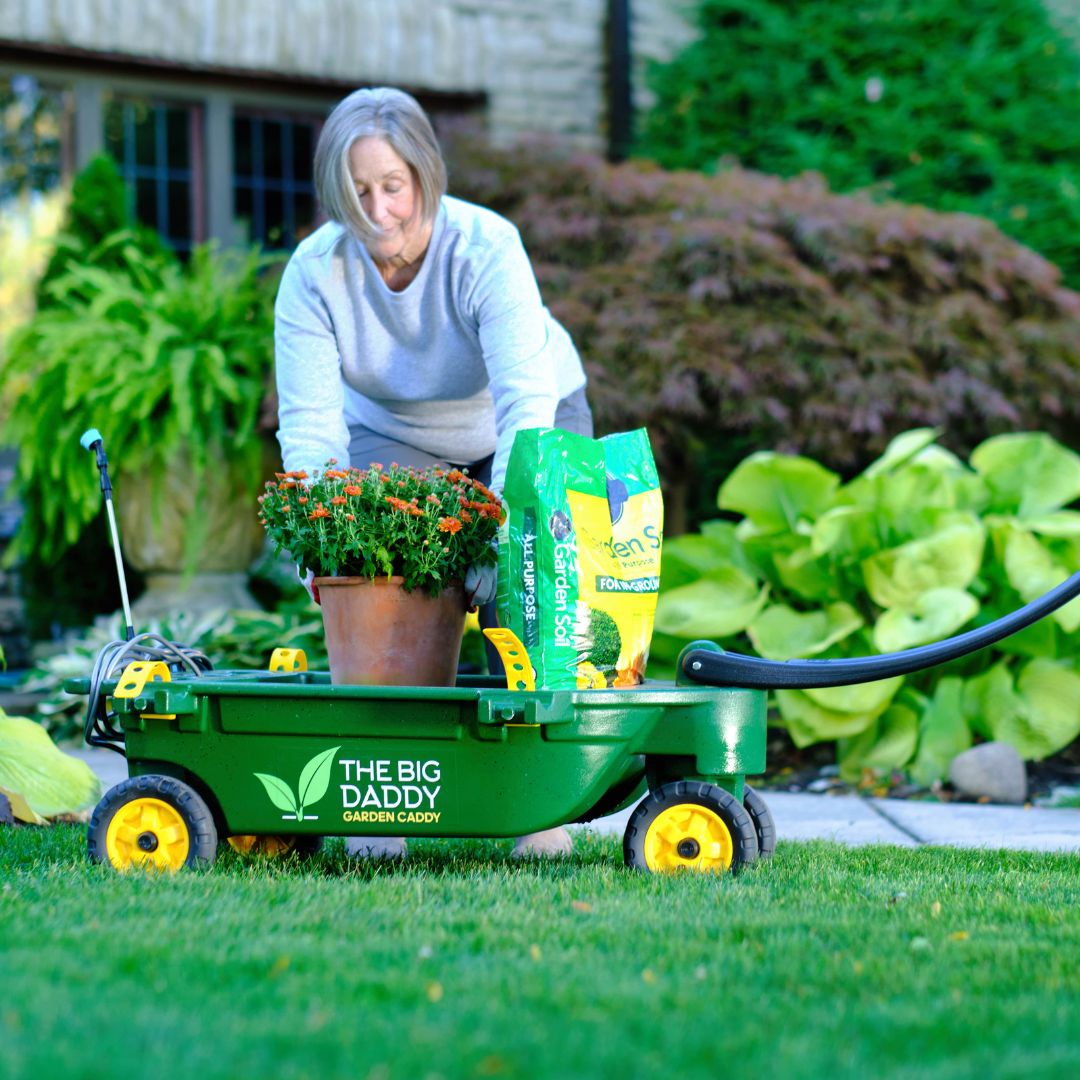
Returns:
(848,819)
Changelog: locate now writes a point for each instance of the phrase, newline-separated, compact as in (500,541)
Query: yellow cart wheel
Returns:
(690,825)
(152,822)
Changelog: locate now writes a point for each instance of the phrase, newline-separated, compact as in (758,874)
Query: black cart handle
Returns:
(703,662)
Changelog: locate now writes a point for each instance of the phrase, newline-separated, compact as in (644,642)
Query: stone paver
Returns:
(844,818)
(972,826)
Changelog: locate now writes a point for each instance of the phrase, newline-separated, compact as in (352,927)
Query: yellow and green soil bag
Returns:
(579,555)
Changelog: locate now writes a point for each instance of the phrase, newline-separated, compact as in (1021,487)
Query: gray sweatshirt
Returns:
(454,364)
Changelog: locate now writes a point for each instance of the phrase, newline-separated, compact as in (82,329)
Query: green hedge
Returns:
(734,312)
(972,106)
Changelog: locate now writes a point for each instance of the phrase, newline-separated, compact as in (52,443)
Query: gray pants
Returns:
(367,446)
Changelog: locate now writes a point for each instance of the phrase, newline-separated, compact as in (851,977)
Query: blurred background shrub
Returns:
(733,312)
(972,106)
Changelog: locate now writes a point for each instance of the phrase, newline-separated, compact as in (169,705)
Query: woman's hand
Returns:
(481,585)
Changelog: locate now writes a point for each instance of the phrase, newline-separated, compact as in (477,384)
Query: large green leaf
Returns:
(50,781)
(870,697)
(1032,570)
(851,532)
(1038,714)
(715,606)
(781,633)
(949,557)
(775,490)
(1028,473)
(808,722)
(805,574)
(936,614)
(888,743)
(686,558)
(1059,523)
(943,733)
(900,450)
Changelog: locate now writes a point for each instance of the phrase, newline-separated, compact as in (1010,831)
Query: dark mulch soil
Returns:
(813,769)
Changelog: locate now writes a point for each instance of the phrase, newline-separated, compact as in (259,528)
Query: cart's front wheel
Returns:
(152,821)
(689,825)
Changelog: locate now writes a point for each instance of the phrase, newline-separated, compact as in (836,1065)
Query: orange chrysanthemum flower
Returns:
(338,500)
(302,500)
(449,525)
(351,489)
(465,516)
(320,511)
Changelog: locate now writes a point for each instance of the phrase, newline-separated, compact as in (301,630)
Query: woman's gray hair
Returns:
(388,114)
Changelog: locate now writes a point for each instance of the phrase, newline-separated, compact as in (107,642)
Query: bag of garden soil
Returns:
(579,555)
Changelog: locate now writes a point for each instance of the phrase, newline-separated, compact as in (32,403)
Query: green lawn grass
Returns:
(828,961)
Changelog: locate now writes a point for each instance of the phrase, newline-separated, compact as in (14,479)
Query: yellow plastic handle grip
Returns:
(519,672)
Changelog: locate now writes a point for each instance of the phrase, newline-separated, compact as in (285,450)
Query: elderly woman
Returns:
(410,328)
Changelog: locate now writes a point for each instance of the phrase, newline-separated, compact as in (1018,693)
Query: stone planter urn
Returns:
(159,515)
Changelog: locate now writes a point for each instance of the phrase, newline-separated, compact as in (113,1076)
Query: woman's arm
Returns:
(311,400)
(518,352)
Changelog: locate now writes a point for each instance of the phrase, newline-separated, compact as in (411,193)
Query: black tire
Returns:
(688,853)
(762,818)
(199,830)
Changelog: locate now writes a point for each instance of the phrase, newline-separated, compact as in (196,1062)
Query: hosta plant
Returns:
(425,525)
(919,546)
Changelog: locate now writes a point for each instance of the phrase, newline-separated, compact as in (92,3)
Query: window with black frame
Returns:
(155,145)
(273,189)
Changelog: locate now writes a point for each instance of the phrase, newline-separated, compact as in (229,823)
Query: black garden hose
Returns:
(715,667)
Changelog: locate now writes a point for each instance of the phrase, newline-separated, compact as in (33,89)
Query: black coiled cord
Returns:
(100,727)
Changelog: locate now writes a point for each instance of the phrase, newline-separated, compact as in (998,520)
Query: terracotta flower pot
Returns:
(379,634)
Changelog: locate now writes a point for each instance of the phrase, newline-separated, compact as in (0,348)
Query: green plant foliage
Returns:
(733,312)
(895,558)
(231,639)
(97,211)
(170,362)
(972,107)
(39,780)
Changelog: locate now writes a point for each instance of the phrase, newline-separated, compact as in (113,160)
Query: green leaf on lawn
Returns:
(1032,570)
(31,767)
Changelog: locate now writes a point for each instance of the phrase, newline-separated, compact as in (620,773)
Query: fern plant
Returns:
(170,362)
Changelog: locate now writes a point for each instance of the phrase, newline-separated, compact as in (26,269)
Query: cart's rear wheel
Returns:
(276,846)
(689,825)
(762,818)
(152,821)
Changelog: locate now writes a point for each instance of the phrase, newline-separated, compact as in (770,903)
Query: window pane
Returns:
(304,215)
(275,231)
(303,138)
(179,209)
(272,150)
(242,162)
(178,142)
(146,202)
(114,130)
(145,120)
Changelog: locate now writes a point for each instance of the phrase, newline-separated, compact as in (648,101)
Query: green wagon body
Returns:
(472,760)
